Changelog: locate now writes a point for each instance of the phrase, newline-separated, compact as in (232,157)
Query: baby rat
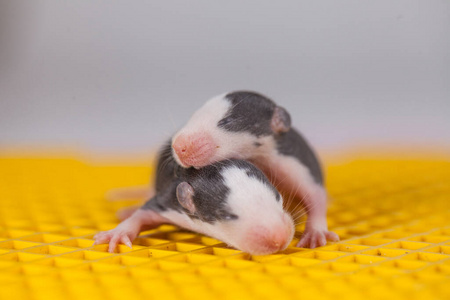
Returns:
(249,126)
(230,200)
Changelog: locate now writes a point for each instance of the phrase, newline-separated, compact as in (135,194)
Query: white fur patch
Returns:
(206,117)
(250,197)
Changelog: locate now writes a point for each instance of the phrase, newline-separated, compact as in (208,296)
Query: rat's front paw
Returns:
(316,238)
(113,237)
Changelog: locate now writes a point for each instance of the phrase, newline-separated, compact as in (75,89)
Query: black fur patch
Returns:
(167,168)
(250,112)
(168,175)
(165,200)
(210,194)
(293,144)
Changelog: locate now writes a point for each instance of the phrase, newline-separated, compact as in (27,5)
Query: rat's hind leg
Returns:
(129,229)
(316,231)
(295,180)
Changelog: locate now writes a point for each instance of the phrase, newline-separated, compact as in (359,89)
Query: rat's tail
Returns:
(140,192)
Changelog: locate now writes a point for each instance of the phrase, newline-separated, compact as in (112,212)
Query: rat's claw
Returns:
(316,238)
(126,240)
(331,236)
(114,237)
(124,233)
(102,237)
(113,243)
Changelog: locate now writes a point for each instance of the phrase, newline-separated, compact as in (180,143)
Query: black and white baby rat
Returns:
(230,200)
(249,126)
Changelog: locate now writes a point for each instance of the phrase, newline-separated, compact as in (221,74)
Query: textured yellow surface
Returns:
(392,216)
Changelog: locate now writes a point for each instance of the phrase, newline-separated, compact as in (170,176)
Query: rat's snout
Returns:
(263,240)
(194,150)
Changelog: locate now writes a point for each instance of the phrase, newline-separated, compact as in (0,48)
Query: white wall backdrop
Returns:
(124,75)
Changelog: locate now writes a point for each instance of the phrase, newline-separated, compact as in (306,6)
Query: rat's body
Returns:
(218,200)
(249,126)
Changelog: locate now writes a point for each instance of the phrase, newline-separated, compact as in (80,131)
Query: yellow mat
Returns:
(393,217)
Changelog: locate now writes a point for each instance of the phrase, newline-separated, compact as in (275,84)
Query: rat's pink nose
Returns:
(267,241)
(281,237)
(194,150)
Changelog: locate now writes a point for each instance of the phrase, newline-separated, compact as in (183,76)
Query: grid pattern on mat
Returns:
(392,216)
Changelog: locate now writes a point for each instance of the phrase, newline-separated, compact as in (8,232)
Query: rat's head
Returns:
(234,202)
(238,125)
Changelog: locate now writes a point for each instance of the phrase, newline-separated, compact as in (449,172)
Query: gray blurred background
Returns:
(122,76)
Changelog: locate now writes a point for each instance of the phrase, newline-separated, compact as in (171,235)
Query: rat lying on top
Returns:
(249,126)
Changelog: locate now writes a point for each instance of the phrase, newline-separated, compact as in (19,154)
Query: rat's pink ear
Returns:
(281,120)
(185,194)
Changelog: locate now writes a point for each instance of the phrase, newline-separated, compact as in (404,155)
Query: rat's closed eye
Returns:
(225,121)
